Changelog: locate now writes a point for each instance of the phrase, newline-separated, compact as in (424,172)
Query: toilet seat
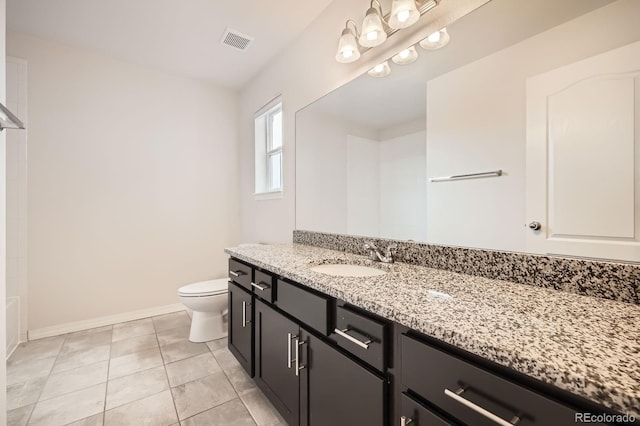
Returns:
(204,288)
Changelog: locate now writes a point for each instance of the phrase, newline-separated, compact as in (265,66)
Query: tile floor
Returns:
(143,372)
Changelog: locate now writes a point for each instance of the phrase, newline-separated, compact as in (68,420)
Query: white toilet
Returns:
(208,301)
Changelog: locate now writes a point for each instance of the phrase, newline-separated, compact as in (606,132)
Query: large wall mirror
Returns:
(546,91)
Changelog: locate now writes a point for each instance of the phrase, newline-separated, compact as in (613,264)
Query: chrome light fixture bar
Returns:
(11,122)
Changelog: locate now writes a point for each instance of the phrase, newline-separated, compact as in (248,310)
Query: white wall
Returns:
(304,72)
(476,122)
(132,183)
(363,186)
(403,187)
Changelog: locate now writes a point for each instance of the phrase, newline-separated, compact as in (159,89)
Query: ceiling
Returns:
(180,37)
(382,103)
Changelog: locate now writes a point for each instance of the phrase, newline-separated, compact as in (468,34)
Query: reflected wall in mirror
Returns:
(364,152)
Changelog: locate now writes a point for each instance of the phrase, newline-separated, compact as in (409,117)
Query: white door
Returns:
(583,140)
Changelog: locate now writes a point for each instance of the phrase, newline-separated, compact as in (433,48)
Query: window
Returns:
(268,138)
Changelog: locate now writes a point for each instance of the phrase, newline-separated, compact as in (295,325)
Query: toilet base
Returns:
(206,326)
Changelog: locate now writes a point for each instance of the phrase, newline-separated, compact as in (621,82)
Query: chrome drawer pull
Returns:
(244,314)
(343,333)
(488,414)
(298,366)
(237,273)
(289,337)
(404,420)
(261,286)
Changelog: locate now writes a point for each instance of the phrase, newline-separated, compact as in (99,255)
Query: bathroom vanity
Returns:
(424,346)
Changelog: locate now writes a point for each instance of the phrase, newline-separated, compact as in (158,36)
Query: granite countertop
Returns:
(585,345)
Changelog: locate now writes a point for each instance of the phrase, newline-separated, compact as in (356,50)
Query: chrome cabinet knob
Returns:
(535,226)
(404,420)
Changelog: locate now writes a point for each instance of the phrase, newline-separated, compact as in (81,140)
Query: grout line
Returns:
(106,388)
(175,407)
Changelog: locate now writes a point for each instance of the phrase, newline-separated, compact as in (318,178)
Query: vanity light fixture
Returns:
(373,33)
(380,70)
(405,56)
(376,27)
(347,45)
(437,40)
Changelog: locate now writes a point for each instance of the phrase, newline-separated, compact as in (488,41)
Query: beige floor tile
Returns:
(174,335)
(156,410)
(230,413)
(130,329)
(38,349)
(132,363)
(202,394)
(20,371)
(25,393)
(70,407)
(169,321)
(75,379)
(181,350)
(261,409)
(77,342)
(81,358)
(215,345)
(133,344)
(226,359)
(191,369)
(136,386)
(19,416)
(240,380)
(89,421)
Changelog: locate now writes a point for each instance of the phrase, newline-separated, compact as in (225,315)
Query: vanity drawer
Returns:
(439,377)
(263,286)
(240,273)
(310,308)
(416,414)
(361,335)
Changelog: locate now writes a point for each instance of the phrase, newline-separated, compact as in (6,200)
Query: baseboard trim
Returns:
(70,327)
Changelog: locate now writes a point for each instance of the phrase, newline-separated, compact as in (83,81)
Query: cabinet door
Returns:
(240,335)
(337,390)
(275,340)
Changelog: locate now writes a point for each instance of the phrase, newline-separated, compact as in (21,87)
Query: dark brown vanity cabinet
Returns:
(240,336)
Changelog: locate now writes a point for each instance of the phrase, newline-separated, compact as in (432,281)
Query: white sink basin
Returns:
(344,270)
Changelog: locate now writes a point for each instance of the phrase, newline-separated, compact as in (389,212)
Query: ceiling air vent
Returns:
(236,39)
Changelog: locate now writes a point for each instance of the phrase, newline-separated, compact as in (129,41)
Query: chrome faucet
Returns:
(376,255)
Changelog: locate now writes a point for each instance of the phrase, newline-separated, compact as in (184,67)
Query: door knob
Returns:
(535,226)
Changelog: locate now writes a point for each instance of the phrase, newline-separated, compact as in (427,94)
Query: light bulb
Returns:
(403,15)
(347,53)
(405,56)
(435,37)
(436,40)
(380,70)
(372,35)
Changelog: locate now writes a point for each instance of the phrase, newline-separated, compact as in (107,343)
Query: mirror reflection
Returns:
(365,153)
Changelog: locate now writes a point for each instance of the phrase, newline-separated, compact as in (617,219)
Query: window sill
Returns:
(273,195)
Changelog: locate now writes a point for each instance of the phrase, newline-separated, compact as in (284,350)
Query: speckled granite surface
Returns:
(586,345)
(608,280)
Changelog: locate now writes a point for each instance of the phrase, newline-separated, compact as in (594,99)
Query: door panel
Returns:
(340,392)
(583,157)
(240,336)
(273,374)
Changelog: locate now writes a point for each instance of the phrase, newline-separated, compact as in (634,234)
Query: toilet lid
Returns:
(204,288)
